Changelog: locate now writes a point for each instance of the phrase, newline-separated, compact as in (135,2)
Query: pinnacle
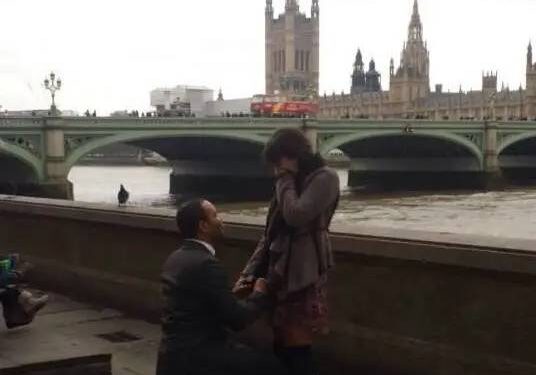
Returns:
(416,18)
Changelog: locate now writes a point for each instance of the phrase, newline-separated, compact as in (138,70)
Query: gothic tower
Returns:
(529,57)
(292,49)
(530,96)
(412,79)
(373,78)
(489,85)
(358,75)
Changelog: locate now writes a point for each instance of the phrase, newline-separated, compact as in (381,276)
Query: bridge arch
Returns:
(338,142)
(35,164)
(92,145)
(510,141)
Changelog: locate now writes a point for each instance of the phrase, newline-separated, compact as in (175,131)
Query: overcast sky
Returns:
(111,53)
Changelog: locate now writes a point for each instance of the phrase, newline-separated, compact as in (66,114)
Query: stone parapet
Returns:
(401,301)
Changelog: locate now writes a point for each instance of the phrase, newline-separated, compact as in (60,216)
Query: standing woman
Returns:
(294,255)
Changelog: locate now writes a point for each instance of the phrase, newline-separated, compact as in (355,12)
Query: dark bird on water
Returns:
(122,196)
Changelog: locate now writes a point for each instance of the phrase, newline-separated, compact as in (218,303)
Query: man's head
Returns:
(198,219)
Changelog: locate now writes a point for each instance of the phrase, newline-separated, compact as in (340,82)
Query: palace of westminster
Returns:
(292,67)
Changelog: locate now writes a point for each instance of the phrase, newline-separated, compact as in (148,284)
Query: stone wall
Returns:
(401,302)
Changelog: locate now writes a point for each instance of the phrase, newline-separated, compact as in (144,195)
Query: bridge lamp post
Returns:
(53,85)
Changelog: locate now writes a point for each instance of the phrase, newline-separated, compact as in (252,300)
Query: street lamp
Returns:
(53,85)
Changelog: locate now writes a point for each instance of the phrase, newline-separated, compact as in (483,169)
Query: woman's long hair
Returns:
(292,143)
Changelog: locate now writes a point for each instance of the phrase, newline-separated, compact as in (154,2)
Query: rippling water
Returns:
(510,213)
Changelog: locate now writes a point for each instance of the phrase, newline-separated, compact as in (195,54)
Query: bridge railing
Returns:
(21,121)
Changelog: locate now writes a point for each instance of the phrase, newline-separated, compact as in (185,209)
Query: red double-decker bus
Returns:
(281,106)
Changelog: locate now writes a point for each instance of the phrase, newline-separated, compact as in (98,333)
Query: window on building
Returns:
(307,56)
(302,61)
(296,57)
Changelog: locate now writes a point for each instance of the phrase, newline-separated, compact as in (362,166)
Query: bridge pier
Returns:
(59,189)
(415,180)
(55,183)
(53,190)
(492,169)
(37,167)
(416,173)
(220,179)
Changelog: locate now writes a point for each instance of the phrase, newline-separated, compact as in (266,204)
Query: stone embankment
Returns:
(402,302)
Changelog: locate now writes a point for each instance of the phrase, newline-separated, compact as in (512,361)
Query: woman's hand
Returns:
(261,286)
(286,166)
(280,172)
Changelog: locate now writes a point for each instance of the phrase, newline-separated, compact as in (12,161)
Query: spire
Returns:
(358,65)
(416,17)
(415,26)
(358,77)
(529,56)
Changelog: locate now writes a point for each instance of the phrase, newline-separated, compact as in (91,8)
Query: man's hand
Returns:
(243,286)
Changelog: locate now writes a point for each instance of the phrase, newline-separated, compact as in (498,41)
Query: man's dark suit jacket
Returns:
(199,305)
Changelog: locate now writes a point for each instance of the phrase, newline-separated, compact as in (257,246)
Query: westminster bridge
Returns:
(220,154)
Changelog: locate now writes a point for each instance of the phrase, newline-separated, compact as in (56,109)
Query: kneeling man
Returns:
(200,308)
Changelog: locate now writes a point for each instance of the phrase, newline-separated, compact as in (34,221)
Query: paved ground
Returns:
(66,328)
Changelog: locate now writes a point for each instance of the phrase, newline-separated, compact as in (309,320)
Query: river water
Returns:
(509,213)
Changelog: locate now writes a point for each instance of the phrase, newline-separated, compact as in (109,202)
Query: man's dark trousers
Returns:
(217,358)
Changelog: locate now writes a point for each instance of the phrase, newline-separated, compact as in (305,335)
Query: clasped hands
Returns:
(247,284)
